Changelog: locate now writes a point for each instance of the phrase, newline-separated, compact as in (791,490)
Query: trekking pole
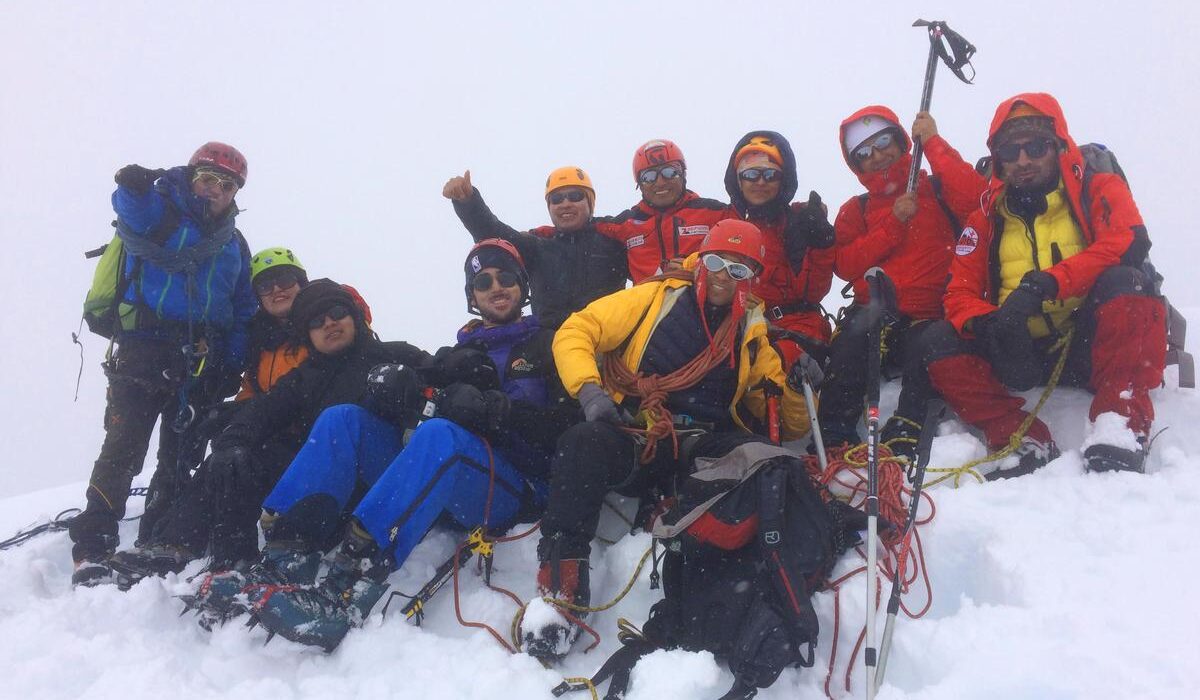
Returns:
(933,414)
(876,279)
(811,403)
(940,35)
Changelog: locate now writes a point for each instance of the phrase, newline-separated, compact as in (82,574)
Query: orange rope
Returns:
(653,389)
(905,552)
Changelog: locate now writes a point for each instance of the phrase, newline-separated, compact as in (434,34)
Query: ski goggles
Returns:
(284,279)
(716,263)
(209,178)
(764,174)
(1011,152)
(668,172)
(484,280)
(335,313)
(568,196)
(879,143)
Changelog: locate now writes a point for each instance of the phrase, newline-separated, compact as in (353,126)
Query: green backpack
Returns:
(104,309)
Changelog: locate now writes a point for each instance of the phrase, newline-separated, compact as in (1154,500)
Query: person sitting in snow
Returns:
(250,454)
(909,235)
(188,274)
(482,461)
(184,532)
(569,263)
(695,342)
(1053,257)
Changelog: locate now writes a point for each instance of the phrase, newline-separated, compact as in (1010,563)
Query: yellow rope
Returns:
(1014,440)
(584,682)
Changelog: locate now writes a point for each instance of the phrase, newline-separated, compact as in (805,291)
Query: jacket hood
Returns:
(888,181)
(787,191)
(1070,159)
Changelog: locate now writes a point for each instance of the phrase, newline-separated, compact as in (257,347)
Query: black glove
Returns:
(1026,300)
(598,405)
(228,470)
(137,179)
(805,367)
(481,412)
(395,393)
(224,383)
(808,227)
(464,363)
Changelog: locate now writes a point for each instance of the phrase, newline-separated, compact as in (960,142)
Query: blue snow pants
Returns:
(443,469)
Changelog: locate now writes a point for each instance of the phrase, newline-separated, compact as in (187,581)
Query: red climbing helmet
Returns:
(215,154)
(654,153)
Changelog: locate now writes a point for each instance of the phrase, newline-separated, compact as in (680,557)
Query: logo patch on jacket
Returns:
(635,241)
(698,230)
(521,366)
(968,241)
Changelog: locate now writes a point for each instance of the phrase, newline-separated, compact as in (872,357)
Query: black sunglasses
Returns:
(1011,152)
(267,283)
(767,174)
(336,312)
(669,172)
(880,142)
(483,281)
(570,196)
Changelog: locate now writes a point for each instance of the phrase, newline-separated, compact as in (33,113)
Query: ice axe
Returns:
(956,52)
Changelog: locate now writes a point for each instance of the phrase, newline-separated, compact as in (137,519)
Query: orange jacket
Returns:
(272,365)
(1100,203)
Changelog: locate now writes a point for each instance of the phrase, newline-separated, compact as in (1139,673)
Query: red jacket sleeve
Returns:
(967,290)
(962,187)
(861,245)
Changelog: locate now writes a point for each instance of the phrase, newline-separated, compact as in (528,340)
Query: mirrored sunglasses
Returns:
(716,263)
(669,172)
(336,312)
(880,142)
(569,196)
(1011,152)
(210,179)
(767,174)
(266,282)
(483,281)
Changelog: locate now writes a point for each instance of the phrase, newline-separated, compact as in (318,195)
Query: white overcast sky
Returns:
(353,114)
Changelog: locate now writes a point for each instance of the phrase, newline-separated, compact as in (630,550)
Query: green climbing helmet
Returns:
(270,258)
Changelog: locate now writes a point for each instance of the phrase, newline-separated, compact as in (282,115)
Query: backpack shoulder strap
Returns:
(936,183)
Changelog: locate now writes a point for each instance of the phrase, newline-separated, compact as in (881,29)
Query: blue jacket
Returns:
(221,300)
(541,409)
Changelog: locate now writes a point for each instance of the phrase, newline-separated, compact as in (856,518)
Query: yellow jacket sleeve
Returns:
(767,366)
(598,328)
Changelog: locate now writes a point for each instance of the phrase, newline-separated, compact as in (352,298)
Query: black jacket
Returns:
(321,381)
(567,270)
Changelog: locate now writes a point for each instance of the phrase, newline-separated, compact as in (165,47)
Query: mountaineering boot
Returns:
(1031,455)
(900,435)
(133,565)
(92,573)
(323,614)
(1109,458)
(560,579)
(223,595)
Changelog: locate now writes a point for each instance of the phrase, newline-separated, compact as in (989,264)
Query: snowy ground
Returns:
(1057,585)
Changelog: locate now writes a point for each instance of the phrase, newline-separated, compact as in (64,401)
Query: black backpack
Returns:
(745,548)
